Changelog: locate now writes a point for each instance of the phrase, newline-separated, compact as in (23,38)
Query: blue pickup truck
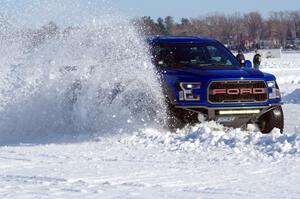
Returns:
(202,79)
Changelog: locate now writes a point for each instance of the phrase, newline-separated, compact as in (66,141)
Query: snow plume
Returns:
(95,78)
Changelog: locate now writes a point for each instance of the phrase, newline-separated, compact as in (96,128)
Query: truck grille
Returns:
(220,92)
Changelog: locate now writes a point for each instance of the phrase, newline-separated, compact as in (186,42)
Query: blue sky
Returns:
(60,11)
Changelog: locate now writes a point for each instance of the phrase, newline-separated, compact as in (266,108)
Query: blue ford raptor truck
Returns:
(201,78)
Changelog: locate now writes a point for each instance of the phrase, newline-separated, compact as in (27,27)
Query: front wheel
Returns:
(179,118)
(270,120)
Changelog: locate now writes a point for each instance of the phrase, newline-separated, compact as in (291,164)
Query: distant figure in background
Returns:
(256,59)
(240,56)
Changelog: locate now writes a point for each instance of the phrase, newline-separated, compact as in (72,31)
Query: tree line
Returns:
(237,31)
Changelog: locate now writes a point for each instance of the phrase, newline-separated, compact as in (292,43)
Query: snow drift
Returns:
(210,137)
(293,97)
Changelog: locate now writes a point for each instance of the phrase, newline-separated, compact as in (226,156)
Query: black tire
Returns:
(270,120)
(178,118)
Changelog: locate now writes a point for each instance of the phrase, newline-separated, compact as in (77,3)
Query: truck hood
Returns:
(217,72)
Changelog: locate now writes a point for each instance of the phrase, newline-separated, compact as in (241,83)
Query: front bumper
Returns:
(232,116)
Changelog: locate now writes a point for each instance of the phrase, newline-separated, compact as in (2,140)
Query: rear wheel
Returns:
(270,120)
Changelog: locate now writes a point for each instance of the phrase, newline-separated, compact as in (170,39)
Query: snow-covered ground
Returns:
(153,165)
(205,161)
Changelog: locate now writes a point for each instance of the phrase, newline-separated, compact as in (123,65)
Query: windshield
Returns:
(192,54)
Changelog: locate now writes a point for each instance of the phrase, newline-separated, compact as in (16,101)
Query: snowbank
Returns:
(210,136)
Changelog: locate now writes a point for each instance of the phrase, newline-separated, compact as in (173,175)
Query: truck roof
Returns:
(178,39)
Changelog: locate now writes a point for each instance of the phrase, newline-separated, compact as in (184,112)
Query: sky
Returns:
(40,11)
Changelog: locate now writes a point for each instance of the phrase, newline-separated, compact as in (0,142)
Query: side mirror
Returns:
(248,64)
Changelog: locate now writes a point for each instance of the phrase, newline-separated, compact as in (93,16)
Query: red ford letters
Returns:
(239,91)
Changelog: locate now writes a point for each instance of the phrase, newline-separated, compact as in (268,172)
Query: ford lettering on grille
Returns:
(237,92)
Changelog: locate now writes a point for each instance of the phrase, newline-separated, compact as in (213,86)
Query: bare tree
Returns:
(295,22)
(169,24)
(254,24)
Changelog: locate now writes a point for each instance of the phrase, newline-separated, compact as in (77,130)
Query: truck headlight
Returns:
(189,91)
(271,84)
(274,91)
